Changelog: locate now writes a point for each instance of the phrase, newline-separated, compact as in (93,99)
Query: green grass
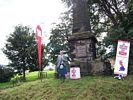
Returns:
(5,85)
(32,76)
(87,88)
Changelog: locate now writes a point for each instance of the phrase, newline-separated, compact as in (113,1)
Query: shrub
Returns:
(5,74)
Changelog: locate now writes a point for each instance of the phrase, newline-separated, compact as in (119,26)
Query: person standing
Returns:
(61,65)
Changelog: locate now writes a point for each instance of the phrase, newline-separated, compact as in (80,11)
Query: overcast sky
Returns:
(27,12)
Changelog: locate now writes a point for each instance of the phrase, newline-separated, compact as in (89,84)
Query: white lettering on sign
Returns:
(39,33)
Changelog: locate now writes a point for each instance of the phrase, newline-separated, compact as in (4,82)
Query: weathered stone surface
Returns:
(80,16)
(83,45)
(95,67)
(82,35)
(101,68)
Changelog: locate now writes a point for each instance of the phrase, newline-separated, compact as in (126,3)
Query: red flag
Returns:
(39,40)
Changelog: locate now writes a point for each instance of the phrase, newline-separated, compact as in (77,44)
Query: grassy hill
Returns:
(87,88)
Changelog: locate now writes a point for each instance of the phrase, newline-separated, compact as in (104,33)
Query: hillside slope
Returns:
(87,88)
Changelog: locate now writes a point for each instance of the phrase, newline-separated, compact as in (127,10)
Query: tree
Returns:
(21,49)
(124,31)
(59,37)
(5,73)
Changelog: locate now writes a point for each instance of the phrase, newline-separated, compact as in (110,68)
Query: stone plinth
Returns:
(83,50)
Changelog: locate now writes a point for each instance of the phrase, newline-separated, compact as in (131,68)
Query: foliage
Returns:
(5,73)
(101,51)
(124,31)
(59,37)
(21,49)
(114,16)
(16,79)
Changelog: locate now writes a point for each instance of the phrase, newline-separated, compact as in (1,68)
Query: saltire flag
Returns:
(122,58)
(39,40)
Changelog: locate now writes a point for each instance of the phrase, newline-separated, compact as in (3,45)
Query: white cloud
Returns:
(27,12)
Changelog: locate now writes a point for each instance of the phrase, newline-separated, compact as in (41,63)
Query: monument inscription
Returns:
(81,51)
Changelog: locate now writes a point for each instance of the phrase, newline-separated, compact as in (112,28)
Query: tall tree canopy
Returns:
(21,49)
(59,37)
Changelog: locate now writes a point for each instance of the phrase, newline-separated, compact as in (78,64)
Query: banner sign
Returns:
(39,40)
(75,73)
(122,55)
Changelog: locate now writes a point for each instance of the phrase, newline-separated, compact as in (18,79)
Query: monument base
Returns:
(95,67)
(82,50)
(83,54)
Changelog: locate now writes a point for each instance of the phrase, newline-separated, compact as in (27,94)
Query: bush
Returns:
(5,74)
(16,79)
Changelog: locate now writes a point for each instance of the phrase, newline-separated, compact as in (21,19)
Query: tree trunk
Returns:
(24,74)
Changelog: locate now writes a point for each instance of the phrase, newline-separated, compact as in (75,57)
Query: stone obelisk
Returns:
(82,41)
